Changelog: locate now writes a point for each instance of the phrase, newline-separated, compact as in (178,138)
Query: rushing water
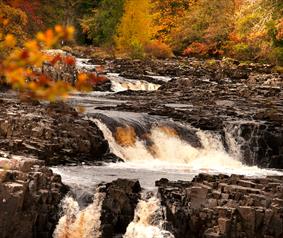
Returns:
(122,84)
(148,221)
(152,148)
(76,223)
(168,155)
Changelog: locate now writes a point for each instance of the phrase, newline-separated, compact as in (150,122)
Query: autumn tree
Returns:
(12,21)
(256,29)
(32,10)
(167,14)
(136,27)
(208,23)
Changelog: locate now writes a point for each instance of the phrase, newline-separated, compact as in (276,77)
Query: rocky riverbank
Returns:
(223,206)
(226,97)
(55,133)
(30,195)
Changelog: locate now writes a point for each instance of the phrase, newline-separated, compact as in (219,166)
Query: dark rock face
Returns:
(29,197)
(103,86)
(118,208)
(55,133)
(223,206)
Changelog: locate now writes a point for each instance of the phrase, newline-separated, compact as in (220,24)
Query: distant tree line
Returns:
(243,29)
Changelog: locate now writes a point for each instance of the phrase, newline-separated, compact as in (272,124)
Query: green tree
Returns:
(101,24)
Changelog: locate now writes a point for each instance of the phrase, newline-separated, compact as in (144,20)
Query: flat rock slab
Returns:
(55,133)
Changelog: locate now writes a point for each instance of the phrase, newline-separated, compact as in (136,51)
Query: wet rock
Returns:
(29,197)
(103,86)
(118,207)
(224,206)
(55,133)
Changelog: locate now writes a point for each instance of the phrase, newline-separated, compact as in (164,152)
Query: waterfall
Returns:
(163,149)
(148,221)
(243,139)
(76,223)
(168,147)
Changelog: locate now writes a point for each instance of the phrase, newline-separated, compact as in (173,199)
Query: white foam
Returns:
(148,221)
(80,224)
(173,154)
(122,84)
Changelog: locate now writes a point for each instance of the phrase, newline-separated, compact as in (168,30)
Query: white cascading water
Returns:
(122,84)
(76,223)
(148,221)
(172,153)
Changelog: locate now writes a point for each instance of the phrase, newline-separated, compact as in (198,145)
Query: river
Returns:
(152,147)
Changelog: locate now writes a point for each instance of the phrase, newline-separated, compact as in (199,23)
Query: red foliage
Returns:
(70,60)
(196,48)
(24,55)
(56,59)
(31,8)
(202,49)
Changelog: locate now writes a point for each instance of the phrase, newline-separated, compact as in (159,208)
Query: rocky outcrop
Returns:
(60,71)
(224,206)
(29,197)
(52,132)
(118,207)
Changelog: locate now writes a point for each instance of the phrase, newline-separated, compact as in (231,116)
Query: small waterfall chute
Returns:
(148,221)
(76,223)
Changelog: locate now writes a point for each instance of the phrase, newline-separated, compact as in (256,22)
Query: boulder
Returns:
(118,207)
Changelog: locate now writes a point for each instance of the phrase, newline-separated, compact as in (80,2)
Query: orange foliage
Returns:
(279,35)
(158,50)
(196,48)
(18,68)
(234,37)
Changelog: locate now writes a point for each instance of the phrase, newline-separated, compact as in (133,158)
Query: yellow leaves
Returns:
(12,21)
(136,27)
(47,38)
(10,41)
(70,31)
(59,29)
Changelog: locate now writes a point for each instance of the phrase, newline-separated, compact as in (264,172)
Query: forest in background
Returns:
(248,30)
